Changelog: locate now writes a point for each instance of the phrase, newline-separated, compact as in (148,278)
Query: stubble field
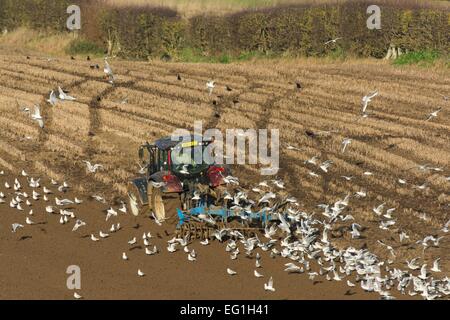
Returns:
(107,123)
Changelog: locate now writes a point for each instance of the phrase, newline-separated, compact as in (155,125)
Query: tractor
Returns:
(172,167)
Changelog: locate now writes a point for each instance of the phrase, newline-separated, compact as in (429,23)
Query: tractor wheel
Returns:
(134,202)
(158,204)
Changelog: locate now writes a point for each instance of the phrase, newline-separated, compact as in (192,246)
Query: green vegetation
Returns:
(82,46)
(421,58)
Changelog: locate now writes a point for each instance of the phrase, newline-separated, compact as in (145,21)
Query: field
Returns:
(106,125)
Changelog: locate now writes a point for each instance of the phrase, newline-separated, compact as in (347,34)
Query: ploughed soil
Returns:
(34,260)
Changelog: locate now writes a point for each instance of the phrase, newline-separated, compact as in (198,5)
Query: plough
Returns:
(203,221)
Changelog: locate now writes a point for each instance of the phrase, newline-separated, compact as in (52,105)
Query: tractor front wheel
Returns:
(134,201)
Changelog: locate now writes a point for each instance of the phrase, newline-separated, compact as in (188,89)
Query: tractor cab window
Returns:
(188,158)
(163,160)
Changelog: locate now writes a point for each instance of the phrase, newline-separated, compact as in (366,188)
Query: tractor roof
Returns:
(167,142)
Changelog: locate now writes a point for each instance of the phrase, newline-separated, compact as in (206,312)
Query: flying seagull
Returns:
(92,168)
(36,116)
(433,114)
(64,96)
(367,99)
(210,85)
(52,99)
(333,40)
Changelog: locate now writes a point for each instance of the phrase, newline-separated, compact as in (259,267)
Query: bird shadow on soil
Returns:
(349,293)
(25,238)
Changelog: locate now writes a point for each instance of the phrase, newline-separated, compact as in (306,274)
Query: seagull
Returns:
(435,267)
(312,161)
(257,274)
(266,197)
(278,183)
(64,96)
(92,168)
(132,241)
(423,272)
(93,238)
(367,99)
(184,170)
(78,201)
(325,165)
(108,71)
(36,116)
(191,256)
(78,224)
(63,202)
(124,256)
(151,252)
(158,222)
(29,221)
(172,247)
(292,268)
(77,296)
(205,242)
(110,212)
(269,285)
(52,98)
(433,114)
(333,41)
(345,143)
(103,235)
(123,209)
(231,272)
(289,147)
(16,226)
(350,284)
(379,210)
(140,273)
(355,233)
(210,86)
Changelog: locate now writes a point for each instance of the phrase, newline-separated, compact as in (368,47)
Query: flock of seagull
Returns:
(300,237)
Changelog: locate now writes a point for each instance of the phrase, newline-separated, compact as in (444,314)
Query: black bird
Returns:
(88,58)
(28,58)
(217,115)
(235,101)
(72,58)
(310,134)
(178,77)
(99,98)
(298,85)
(229,89)
(215,102)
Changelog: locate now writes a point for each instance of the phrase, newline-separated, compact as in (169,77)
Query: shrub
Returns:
(84,47)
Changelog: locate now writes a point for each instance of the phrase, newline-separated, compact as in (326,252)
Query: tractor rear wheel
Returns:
(134,202)
(158,204)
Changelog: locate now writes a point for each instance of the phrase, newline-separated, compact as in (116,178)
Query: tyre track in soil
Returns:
(286,167)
